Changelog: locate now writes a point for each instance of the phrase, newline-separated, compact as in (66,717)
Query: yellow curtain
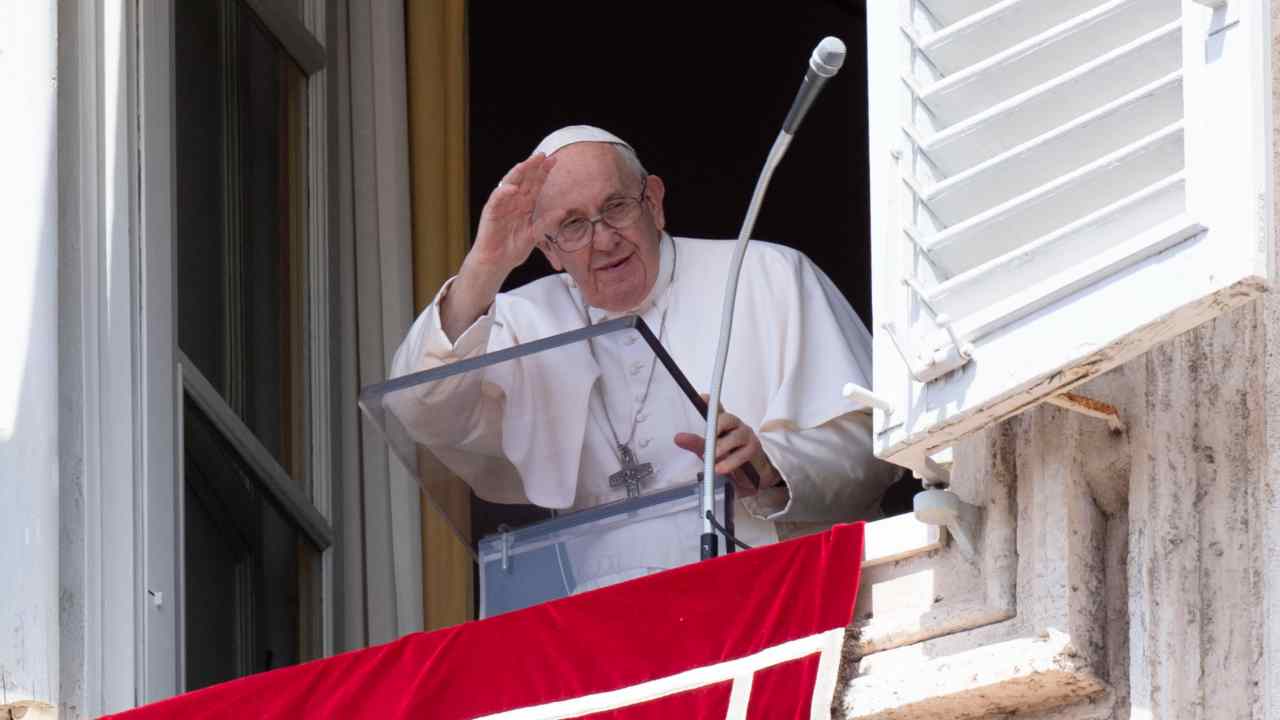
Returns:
(437,79)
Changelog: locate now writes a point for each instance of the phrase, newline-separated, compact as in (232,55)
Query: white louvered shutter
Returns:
(1056,185)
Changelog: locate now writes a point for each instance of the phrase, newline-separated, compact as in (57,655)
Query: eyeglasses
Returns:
(619,213)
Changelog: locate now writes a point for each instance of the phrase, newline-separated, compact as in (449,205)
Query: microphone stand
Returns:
(826,61)
(709,544)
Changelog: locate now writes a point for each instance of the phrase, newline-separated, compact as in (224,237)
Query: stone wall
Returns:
(1145,560)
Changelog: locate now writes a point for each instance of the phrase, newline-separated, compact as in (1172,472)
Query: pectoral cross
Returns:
(633,472)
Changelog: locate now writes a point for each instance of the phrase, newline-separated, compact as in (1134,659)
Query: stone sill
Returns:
(1012,676)
(28,710)
(1020,624)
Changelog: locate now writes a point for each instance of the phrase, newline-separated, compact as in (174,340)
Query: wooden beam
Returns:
(1089,406)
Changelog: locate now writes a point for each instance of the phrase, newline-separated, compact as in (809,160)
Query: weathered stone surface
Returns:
(1046,555)
(1153,553)
(27,711)
(996,678)
(940,592)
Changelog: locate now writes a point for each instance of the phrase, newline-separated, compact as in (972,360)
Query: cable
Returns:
(711,517)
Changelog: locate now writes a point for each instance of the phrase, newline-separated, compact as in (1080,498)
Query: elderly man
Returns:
(584,200)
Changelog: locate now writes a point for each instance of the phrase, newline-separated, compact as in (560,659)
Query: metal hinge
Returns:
(505,543)
(929,366)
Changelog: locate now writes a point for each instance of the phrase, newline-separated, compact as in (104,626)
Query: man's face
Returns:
(617,268)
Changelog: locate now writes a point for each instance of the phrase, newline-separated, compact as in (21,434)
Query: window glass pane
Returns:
(251,580)
(241,217)
(201,118)
(273,182)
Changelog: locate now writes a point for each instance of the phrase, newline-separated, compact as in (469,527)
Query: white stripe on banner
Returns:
(824,686)
(740,696)
(739,670)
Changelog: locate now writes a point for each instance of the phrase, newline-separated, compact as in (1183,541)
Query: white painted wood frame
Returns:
(99,336)
(162,382)
(29,334)
(156,399)
(287,492)
(119,565)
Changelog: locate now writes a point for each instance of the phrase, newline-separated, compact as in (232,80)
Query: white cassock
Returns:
(533,430)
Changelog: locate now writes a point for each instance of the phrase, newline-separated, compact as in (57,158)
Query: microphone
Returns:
(825,62)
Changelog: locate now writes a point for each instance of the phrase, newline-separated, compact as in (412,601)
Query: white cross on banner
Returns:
(754,635)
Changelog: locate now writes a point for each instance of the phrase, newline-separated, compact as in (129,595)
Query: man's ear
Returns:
(550,254)
(654,192)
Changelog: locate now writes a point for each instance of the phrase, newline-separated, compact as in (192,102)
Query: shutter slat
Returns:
(1042,58)
(1054,204)
(947,12)
(1018,304)
(994,29)
(1037,111)
(1057,152)
(990,283)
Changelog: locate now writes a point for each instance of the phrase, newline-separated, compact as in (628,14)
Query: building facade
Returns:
(152,469)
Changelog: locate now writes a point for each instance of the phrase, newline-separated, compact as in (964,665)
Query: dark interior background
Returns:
(700,90)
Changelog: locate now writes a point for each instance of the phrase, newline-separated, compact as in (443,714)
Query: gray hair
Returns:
(630,160)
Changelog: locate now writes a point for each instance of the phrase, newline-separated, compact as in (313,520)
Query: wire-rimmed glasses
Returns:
(618,213)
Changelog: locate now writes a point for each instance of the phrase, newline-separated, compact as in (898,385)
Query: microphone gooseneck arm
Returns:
(722,348)
(826,60)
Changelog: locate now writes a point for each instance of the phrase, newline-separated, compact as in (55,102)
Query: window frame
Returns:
(166,379)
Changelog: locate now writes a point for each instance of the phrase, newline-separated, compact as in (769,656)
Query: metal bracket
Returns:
(941,319)
(1090,407)
(506,552)
(926,369)
(963,520)
(937,505)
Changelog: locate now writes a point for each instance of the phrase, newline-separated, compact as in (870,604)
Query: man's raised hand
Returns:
(505,234)
(504,239)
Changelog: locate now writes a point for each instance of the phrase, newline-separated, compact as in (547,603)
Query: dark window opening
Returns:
(700,91)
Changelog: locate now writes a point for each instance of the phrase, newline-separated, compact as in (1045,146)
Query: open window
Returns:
(1055,188)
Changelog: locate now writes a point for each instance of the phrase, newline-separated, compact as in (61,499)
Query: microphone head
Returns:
(828,56)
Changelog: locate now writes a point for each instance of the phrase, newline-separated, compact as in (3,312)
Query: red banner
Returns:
(754,634)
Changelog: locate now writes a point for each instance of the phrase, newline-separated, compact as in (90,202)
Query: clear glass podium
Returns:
(554,460)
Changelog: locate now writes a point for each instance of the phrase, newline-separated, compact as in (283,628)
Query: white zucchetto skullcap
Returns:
(575,134)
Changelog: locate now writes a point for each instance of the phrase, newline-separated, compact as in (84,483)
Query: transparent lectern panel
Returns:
(591,548)
(558,425)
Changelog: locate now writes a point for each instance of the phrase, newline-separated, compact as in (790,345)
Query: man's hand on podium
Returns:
(736,446)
